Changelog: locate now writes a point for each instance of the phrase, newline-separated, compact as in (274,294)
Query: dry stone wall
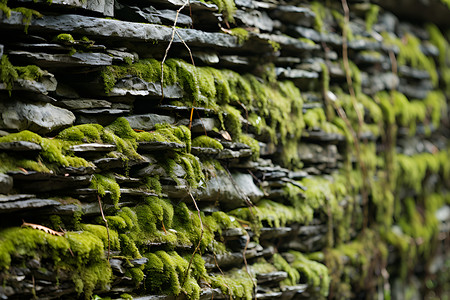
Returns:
(244,149)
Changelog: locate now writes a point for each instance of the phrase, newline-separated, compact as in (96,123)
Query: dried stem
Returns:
(106,223)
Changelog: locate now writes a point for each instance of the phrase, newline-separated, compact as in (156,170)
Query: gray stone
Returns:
(46,84)
(37,117)
(254,18)
(92,147)
(78,59)
(296,74)
(148,121)
(103,111)
(271,277)
(302,16)
(108,28)
(158,146)
(1,50)
(20,146)
(8,207)
(85,103)
(6,184)
(313,153)
(16,197)
(105,7)
(138,87)
(208,58)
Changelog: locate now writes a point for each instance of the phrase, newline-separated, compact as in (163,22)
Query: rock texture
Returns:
(230,149)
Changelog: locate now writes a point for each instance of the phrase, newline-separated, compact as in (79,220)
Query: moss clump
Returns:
(101,232)
(311,272)
(372,16)
(252,143)
(104,183)
(54,152)
(27,15)
(227,8)
(8,74)
(206,142)
(65,37)
(281,264)
(87,133)
(241,34)
(167,273)
(87,266)
(237,284)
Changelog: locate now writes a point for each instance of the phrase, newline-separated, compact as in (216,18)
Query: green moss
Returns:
(281,264)
(411,53)
(8,74)
(104,183)
(54,151)
(206,142)
(153,183)
(252,143)
(87,266)
(30,72)
(27,15)
(438,39)
(227,8)
(241,34)
(165,274)
(372,16)
(275,214)
(315,274)
(128,246)
(236,284)
(320,12)
(101,232)
(65,37)
(275,45)
(88,133)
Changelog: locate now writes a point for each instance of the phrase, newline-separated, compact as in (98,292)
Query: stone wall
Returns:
(160,149)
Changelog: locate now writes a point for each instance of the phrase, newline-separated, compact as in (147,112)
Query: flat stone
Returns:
(296,74)
(158,146)
(229,154)
(107,28)
(85,103)
(6,184)
(47,83)
(20,146)
(27,182)
(8,207)
(138,87)
(37,117)
(302,16)
(105,7)
(204,151)
(16,197)
(254,18)
(148,121)
(151,15)
(92,147)
(78,59)
(271,277)
(273,233)
(103,111)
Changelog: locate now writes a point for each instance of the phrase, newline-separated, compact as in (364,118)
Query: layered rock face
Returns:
(244,149)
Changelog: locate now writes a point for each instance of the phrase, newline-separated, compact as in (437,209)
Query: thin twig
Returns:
(106,223)
(172,37)
(199,241)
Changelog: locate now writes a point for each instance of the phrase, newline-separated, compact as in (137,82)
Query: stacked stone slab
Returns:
(285,152)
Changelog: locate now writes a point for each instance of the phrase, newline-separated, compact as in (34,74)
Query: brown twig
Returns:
(199,241)
(106,223)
